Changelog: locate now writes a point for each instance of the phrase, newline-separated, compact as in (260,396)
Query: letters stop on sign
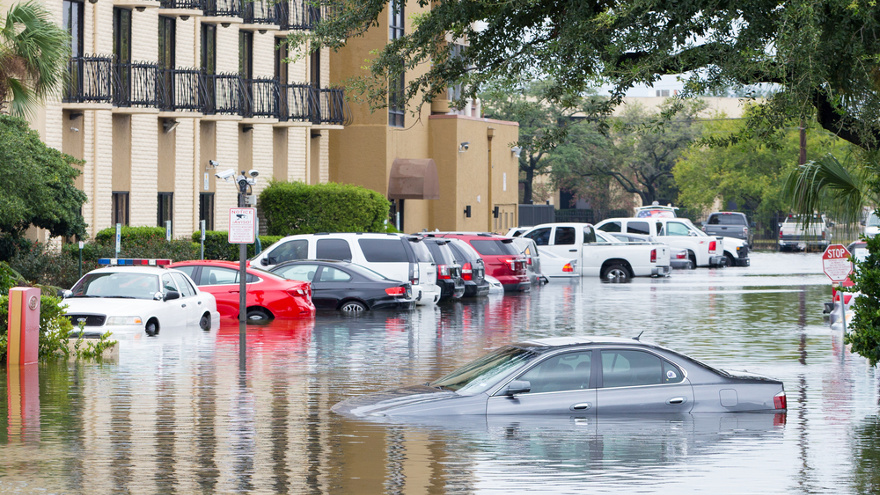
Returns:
(836,263)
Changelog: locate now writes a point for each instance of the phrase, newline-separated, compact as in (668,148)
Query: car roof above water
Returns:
(567,341)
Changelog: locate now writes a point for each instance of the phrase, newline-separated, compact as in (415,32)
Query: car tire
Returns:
(205,322)
(615,272)
(730,260)
(693,259)
(152,328)
(258,315)
(352,307)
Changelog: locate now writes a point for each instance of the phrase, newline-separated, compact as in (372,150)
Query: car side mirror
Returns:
(65,294)
(264,261)
(829,224)
(172,294)
(518,387)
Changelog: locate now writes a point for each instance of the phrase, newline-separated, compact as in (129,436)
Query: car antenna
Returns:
(639,335)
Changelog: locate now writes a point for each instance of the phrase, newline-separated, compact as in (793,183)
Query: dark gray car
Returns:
(729,224)
(578,375)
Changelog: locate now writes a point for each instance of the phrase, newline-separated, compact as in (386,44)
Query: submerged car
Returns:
(578,375)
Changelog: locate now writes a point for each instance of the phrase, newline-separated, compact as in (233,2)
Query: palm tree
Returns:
(33,57)
(842,189)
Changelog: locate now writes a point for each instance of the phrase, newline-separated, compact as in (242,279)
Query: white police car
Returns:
(137,295)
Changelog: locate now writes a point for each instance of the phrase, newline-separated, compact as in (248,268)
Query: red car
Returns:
(268,295)
(500,256)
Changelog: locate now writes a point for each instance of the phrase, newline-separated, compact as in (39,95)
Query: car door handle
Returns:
(675,400)
(572,250)
(583,406)
(183,305)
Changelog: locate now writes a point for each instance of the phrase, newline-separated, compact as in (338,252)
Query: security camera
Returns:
(225,175)
(253,173)
(214,163)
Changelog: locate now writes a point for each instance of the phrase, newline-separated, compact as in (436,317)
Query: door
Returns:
(190,300)
(559,240)
(635,382)
(322,295)
(560,384)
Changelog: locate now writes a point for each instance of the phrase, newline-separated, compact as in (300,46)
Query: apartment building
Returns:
(164,94)
(442,168)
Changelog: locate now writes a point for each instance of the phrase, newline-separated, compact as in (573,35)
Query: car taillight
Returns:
(529,260)
(746,231)
(414,273)
(780,233)
(567,268)
(467,271)
(713,246)
(823,234)
(653,256)
(396,291)
(298,292)
(779,401)
(443,272)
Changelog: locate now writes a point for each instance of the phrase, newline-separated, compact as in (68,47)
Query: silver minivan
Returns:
(397,256)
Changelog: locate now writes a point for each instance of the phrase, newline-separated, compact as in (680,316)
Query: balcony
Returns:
(319,106)
(181,90)
(181,4)
(91,80)
(260,12)
(222,8)
(261,98)
(136,84)
(225,94)
(331,108)
(298,14)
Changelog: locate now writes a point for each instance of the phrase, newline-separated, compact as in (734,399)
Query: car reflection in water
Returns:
(282,334)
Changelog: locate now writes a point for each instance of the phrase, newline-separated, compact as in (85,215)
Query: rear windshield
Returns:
(489,247)
(441,253)
(384,250)
(726,219)
(421,251)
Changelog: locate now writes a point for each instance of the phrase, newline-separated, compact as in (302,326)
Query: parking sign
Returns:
(242,223)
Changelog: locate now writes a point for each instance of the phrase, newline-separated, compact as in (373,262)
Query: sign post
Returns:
(837,266)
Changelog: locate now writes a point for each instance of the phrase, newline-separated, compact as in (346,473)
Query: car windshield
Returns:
(478,376)
(117,284)
(873,220)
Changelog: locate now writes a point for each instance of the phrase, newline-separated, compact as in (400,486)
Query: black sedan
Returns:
(346,286)
(578,376)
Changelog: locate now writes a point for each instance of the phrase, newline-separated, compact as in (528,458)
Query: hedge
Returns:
(135,234)
(296,208)
(217,245)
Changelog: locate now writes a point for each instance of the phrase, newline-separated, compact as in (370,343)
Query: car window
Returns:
(188,270)
(420,249)
(632,368)
(333,249)
(185,287)
(299,271)
(564,236)
(569,371)
(873,220)
(611,227)
(589,235)
(168,283)
(488,247)
(726,219)
(540,236)
(330,274)
(638,228)
(441,255)
(384,250)
(291,250)
(676,229)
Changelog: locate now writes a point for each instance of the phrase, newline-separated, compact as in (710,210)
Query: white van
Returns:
(397,256)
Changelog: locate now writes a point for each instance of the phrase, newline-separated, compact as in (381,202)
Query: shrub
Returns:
(146,246)
(43,266)
(128,234)
(217,245)
(297,208)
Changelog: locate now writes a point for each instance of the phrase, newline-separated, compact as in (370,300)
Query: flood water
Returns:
(177,414)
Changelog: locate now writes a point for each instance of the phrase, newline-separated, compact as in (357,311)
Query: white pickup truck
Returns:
(599,255)
(675,232)
(800,233)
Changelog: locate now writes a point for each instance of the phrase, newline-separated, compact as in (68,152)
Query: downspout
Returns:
(490,133)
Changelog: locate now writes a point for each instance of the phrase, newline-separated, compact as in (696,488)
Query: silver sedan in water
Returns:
(578,376)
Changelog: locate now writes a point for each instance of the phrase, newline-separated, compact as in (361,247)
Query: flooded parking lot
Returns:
(177,413)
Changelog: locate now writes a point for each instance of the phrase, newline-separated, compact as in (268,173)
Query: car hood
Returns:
(418,399)
(110,306)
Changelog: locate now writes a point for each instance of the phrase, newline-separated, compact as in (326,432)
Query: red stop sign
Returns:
(836,263)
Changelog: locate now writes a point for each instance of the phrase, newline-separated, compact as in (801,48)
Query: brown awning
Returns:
(413,178)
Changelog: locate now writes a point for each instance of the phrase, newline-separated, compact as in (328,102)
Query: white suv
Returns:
(397,256)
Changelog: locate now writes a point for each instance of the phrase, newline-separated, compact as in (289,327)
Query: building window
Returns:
(122,47)
(396,85)
(166,209)
(209,48)
(73,21)
(246,54)
(281,55)
(206,209)
(120,207)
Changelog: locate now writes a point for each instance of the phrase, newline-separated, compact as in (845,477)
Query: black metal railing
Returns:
(331,107)
(306,103)
(261,98)
(295,104)
(299,14)
(225,94)
(222,8)
(181,90)
(260,12)
(136,84)
(181,4)
(91,80)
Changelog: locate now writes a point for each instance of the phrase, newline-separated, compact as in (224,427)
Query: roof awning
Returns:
(413,178)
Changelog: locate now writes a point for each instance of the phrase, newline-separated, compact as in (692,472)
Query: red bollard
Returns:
(24,326)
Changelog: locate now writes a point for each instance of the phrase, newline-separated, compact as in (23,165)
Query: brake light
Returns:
(779,401)
(823,234)
(467,271)
(529,260)
(780,233)
(414,273)
(443,272)
(298,292)
(653,256)
(713,246)
(396,291)
(567,268)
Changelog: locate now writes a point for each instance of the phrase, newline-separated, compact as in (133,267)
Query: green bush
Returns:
(217,245)
(297,208)
(135,247)
(128,234)
(43,266)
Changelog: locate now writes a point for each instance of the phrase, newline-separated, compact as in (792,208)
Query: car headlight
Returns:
(124,320)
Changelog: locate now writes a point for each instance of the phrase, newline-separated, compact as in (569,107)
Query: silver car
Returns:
(578,376)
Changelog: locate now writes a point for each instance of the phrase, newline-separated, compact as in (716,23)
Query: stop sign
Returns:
(836,263)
